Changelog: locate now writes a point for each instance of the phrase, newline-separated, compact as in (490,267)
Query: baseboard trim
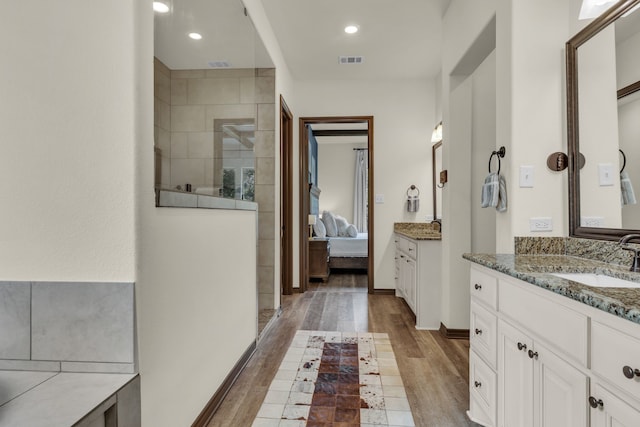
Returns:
(454,334)
(217,398)
(384,291)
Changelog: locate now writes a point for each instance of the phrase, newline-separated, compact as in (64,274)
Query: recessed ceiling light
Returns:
(195,36)
(351,29)
(160,7)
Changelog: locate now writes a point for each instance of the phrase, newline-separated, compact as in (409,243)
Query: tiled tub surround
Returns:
(334,378)
(418,230)
(69,327)
(54,399)
(537,269)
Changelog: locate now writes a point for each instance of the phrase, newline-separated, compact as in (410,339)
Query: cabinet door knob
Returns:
(478,331)
(478,287)
(629,372)
(595,402)
(522,347)
(478,384)
(533,354)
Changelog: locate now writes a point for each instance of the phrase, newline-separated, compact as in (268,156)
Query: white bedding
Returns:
(349,246)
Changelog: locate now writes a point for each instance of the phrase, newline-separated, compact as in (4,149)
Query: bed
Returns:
(349,252)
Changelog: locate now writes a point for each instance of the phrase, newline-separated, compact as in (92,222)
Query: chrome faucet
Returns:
(635,266)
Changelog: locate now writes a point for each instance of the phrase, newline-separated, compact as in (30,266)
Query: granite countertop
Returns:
(418,230)
(536,269)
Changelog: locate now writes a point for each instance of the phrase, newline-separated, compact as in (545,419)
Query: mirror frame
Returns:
(434,149)
(573,134)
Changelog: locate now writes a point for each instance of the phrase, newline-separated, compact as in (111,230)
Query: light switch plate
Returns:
(526,176)
(379,198)
(605,174)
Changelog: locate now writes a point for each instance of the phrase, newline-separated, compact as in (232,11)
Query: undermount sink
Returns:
(598,280)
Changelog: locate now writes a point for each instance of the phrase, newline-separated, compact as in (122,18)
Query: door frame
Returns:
(304,193)
(286,199)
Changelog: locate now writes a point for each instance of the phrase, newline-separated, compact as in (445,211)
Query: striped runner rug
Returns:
(336,379)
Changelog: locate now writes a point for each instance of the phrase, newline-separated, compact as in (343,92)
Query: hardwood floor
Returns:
(434,369)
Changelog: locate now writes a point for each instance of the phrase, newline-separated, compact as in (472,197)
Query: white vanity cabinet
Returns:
(539,359)
(418,279)
(537,387)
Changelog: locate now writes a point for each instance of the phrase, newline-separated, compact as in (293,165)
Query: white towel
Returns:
(626,189)
(494,192)
(490,190)
(502,195)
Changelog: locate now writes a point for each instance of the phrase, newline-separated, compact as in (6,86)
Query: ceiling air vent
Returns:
(351,59)
(219,64)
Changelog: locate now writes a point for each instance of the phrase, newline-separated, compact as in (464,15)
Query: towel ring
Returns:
(499,154)
(624,160)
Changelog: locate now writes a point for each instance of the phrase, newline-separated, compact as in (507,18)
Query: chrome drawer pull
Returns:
(629,372)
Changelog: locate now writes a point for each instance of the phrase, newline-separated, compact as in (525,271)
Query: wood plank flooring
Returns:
(434,369)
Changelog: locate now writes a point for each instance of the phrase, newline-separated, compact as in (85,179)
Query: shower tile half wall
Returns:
(76,327)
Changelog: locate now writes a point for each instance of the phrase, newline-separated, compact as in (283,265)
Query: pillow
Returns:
(352,231)
(330,224)
(319,229)
(341,224)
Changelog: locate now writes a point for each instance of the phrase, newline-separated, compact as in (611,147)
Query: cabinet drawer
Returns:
(483,333)
(484,287)
(611,352)
(482,389)
(557,324)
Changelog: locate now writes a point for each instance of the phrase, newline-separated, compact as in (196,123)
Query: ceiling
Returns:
(398,39)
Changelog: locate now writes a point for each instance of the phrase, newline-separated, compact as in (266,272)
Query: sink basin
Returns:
(598,280)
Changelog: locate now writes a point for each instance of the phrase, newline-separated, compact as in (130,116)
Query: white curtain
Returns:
(361,190)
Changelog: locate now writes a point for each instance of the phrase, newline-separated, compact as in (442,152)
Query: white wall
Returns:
(530,122)
(483,108)
(336,175)
(403,120)
(67,128)
(464,22)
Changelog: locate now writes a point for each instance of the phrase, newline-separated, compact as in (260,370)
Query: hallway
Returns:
(434,370)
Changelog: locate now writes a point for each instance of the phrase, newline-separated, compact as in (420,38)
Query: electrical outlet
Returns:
(592,221)
(540,224)
(379,198)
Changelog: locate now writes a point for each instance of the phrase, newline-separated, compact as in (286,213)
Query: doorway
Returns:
(286,199)
(333,126)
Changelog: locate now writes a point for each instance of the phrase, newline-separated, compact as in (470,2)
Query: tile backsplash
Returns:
(598,250)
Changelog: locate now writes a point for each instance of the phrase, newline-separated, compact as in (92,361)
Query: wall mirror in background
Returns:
(436,162)
(603,68)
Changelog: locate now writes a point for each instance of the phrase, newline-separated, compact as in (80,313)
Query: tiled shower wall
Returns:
(187,104)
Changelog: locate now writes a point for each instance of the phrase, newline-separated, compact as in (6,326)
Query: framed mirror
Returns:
(600,67)
(436,164)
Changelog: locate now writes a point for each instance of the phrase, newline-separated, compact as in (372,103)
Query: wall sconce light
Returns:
(312,222)
(436,136)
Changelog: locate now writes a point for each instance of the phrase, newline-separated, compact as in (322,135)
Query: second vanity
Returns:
(547,351)
(418,270)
